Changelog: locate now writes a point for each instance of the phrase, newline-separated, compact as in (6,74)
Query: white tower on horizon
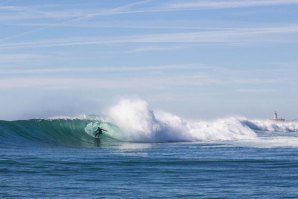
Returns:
(275,116)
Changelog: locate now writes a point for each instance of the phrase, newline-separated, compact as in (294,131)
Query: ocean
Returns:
(148,154)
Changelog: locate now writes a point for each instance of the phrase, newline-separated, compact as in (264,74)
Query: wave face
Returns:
(134,121)
(64,132)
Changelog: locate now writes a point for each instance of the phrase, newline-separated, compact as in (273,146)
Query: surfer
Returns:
(99,131)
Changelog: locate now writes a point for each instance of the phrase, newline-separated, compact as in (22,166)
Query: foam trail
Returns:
(268,142)
(140,124)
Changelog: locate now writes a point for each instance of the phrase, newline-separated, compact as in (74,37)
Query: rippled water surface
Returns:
(160,170)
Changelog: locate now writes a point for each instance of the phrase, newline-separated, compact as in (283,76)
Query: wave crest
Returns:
(139,123)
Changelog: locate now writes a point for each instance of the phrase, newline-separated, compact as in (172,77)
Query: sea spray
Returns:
(141,124)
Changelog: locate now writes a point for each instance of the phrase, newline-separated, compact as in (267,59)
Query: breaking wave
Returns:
(133,121)
(138,123)
(272,126)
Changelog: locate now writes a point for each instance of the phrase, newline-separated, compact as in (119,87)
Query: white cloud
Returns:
(253,90)
(145,6)
(56,16)
(153,49)
(190,79)
(231,36)
(19,57)
(155,83)
(103,69)
(69,15)
(220,4)
(10,8)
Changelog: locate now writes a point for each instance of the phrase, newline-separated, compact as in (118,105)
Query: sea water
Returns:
(155,170)
(148,154)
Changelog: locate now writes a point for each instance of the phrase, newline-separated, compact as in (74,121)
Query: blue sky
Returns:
(196,58)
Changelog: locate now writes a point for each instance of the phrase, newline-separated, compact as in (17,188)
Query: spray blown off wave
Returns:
(138,123)
(134,121)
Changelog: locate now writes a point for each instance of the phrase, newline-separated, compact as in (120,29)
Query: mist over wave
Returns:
(138,123)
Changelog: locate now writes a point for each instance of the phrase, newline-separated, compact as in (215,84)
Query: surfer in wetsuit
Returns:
(99,132)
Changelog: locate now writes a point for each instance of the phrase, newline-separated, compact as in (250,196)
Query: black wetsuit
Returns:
(99,131)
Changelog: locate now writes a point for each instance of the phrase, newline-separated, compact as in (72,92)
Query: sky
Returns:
(202,59)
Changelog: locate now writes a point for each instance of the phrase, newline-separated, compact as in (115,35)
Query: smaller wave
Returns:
(272,126)
(282,141)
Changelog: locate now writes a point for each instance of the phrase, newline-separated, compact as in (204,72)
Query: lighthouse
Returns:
(275,116)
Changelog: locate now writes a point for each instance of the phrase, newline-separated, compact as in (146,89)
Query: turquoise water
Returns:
(59,159)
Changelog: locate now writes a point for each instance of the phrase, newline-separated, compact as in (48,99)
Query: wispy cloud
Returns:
(231,36)
(105,69)
(153,49)
(254,90)
(148,77)
(65,16)
(138,7)
(19,57)
(10,8)
(56,16)
(220,4)
(189,77)
(155,83)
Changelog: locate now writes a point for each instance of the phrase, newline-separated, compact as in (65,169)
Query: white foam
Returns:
(64,117)
(273,126)
(268,142)
(139,123)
